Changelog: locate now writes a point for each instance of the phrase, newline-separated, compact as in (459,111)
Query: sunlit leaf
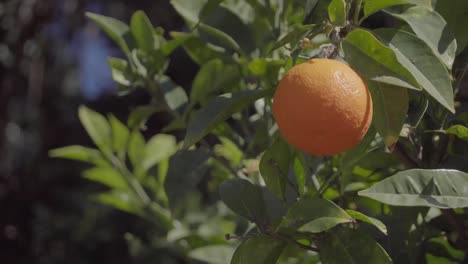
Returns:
(432,29)
(108,176)
(136,148)
(300,172)
(120,70)
(418,58)
(374,61)
(160,146)
(175,96)
(213,254)
(120,134)
(115,29)
(97,127)
(459,131)
(418,187)
(372,6)
(189,10)
(337,12)
(121,200)
(367,219)
(142,31)
(79,153)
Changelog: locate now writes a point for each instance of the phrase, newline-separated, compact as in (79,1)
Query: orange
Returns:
(322,107)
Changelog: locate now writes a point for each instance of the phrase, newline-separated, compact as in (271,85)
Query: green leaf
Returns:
(107,176)
(168,47)
(258,67)
(121,200)
(390,108)
(139,115)
(372,6)
(299,167)
(346,245)
(459,131)
(205,79)
(374,61)
(417,187)
(218,110)
(158,148)
(197,49)
(230,23)
(245,199)
(189,10)
(175,96)
(258,250)
(213,254)
(79,153)
(136,149)
(309,6)
(455,13)
(115,29)
(142,31)
(367,219)
(295,35)
(337,12)
(432,29)
(314,215)
(121,71)
(316,13)
(378,160)
(274,167)
(352,156)
(440,246)
(225,40)
(140,61)
(120,134)
(213,77)
(186,169)
(208,8)
(275,208)
(417,57)
(229,150)
(98,129)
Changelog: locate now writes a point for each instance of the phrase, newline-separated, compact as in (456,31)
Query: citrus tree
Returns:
(314,131)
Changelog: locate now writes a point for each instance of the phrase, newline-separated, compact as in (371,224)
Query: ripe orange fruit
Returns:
(322,107)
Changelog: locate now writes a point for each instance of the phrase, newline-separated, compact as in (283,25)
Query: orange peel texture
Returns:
(322,107)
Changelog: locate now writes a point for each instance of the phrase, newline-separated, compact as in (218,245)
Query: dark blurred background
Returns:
(52,59)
